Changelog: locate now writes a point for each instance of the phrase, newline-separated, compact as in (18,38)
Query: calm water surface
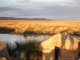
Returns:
(11,38)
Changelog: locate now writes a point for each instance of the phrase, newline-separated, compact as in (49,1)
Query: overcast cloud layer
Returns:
(51,9)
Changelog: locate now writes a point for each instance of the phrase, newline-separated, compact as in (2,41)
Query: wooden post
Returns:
(79,51)
(43,56)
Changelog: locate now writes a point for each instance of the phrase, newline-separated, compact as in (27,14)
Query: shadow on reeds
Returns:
(6,30)
(26,51)
(31,51)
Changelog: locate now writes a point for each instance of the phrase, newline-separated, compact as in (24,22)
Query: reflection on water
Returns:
(11,39)
(37,37)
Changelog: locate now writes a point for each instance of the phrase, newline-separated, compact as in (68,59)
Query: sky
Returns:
(49,9)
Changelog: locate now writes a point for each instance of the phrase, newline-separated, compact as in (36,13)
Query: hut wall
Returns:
(48,55)
(68,55)
(3,58)
(64,55)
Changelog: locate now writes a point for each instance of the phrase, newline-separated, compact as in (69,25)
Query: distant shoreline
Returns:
(41,20)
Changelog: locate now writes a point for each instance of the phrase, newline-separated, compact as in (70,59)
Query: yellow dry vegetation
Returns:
(41,26)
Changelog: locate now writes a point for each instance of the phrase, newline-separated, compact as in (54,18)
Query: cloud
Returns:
(56,12)
(40,3)
(53,9)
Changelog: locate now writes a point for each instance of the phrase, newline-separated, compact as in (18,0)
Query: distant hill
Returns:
(13,18)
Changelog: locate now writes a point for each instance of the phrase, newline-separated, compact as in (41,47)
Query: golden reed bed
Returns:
(41,26)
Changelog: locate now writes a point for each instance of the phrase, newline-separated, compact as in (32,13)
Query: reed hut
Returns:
(61,46)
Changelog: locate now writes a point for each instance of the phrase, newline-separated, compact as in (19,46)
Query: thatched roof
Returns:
(62,40)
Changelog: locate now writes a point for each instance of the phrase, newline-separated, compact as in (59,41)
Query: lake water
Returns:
(12,38)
